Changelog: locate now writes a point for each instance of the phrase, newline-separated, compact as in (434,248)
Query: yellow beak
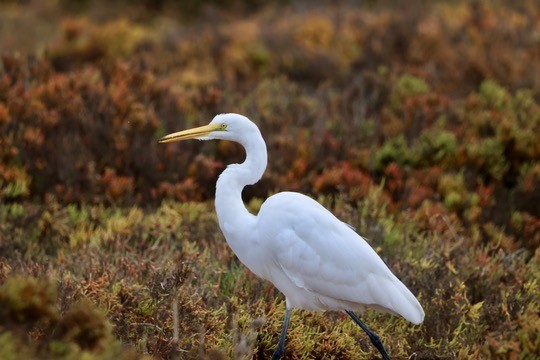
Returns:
(194,133)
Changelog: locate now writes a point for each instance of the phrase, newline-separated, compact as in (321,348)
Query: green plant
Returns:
(393,150)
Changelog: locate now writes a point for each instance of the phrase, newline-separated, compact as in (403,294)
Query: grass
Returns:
(134,264)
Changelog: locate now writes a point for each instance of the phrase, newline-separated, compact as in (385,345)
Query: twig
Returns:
(147,324)
(175,321)
(450,227)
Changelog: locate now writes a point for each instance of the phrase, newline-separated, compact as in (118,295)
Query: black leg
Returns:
(372,336)
(280,350)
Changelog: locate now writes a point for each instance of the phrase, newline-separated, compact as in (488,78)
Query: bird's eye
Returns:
(223,126)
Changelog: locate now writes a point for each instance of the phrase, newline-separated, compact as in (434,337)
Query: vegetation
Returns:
(418,126)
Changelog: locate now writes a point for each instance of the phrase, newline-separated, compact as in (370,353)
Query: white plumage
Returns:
(330,269)
(317,261)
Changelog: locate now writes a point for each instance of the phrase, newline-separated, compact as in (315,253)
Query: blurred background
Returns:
(417,122)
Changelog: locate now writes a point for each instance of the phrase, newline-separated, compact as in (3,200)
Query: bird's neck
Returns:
(234,219)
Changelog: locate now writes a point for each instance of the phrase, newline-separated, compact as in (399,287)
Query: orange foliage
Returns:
(344,177)
(117,186)
(329,87)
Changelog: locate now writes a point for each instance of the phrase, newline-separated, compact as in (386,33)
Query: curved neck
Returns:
(231,211)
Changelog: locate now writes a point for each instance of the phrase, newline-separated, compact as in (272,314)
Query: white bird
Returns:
(317,261)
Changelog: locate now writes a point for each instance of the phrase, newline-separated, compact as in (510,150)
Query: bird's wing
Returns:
(323,255)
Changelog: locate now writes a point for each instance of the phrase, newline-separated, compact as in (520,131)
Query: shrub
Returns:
(393,150)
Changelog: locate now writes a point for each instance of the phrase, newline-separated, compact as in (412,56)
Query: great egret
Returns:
(317,261)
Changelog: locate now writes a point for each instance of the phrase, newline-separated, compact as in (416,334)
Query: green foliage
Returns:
(493,95)
(393,150)
(408,85)
(13,190)
(455,195)
(435,146)
(488,154)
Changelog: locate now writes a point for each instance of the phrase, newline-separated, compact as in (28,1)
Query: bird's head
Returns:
(231,126)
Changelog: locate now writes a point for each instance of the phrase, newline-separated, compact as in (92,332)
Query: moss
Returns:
(27,300)
(83,325)
(34,328)
(12,349)
(140,305)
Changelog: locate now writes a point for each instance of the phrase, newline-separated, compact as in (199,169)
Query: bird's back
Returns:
(320,263)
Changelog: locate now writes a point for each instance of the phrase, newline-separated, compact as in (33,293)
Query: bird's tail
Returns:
(389,295)
(405,304)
